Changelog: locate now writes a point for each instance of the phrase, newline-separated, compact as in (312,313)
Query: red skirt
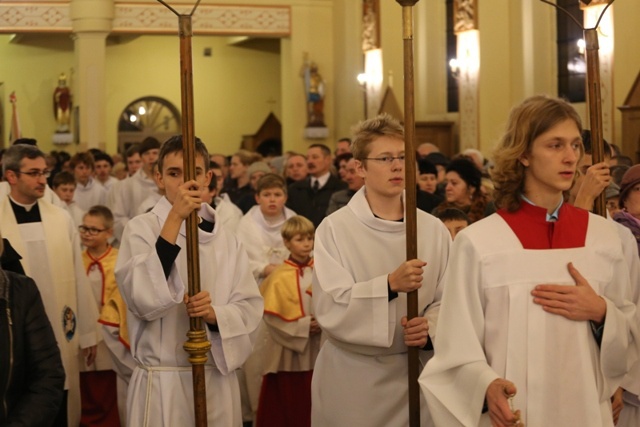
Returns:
(99,397)
(285,400)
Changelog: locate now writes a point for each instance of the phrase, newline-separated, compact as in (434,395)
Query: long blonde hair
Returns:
(526,122)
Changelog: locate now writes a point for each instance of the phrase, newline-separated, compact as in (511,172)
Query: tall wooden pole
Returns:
(197,344)
(410,198)
(594,100)
(595,109)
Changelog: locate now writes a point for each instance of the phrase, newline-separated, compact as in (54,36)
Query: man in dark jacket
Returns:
(31,373)
(310,197)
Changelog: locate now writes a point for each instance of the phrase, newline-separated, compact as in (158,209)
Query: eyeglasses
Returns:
(36,173)
(90,230)
(388,160)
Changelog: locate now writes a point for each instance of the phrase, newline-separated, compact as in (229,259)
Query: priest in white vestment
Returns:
(536,323)
(46,238)
(359,291)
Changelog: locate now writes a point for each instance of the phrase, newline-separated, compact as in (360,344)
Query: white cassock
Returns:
(90,195)
(52,257)
(360,377)
(110,182)
(160,392)
(490,328)
(127,196)
(262,240)
(630,415)
(77,214)
(227,212)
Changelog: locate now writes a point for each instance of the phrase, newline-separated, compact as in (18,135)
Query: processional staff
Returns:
(410,198)
(593,92)
(197,345)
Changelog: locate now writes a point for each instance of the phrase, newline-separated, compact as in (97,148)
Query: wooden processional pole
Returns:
(594,95)
(410,198)
(197,344)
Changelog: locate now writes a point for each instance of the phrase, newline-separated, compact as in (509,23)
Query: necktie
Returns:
(316,186)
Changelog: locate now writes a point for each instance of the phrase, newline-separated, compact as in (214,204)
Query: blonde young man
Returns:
(360,283)
(541,314)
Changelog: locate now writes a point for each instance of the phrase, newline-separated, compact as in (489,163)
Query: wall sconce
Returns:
(454,66)
(362,79)
(582,45)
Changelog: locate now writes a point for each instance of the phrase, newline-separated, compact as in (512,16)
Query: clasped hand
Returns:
(199,305)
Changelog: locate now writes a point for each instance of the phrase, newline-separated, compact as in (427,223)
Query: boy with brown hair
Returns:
(152,274)
(292,333)
(89,192)
(259,229)
(64,185)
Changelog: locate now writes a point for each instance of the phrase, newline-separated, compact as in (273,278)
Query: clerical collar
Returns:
(24,216)
(22,205)
(322,180)
(551,217)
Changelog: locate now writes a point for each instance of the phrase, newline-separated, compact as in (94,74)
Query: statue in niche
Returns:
(62,105)
(314,91)
(464,15)
(370,34)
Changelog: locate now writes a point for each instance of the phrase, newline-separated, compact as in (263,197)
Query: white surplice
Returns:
(262,240)
(160,392)
(227,212)
(90,195)
(360,376)
(489,327)
(126,197)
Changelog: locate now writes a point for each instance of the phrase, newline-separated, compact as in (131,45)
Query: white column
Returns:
(91,21)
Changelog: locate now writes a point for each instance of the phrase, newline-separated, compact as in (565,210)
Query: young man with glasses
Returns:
(46,238)
(360,284)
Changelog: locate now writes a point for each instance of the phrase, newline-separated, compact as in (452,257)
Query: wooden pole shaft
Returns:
(197,344)
(595,108)
(410,200)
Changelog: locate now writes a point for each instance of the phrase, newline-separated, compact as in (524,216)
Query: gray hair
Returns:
(14,155)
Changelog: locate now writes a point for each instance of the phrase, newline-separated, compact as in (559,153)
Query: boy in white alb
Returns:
(89,192)
(259,229)
(152,274)
(541,315)
(361,278)
(64,186)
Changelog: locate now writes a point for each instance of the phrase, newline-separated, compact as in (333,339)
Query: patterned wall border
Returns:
(272,21)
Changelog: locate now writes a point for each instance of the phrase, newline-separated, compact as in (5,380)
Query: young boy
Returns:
(360,282)
(259,229)
(454,219)
(64,185)
(98,382)
(89,192)
(536,303)
(152,274)
(292,333)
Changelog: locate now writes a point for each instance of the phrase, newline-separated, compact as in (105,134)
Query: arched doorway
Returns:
(147,116)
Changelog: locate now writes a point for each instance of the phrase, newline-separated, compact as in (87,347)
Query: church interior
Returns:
(473,61)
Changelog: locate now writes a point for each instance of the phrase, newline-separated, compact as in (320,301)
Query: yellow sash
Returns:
(281,292)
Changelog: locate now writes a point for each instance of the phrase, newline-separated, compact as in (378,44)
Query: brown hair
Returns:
(365,132)
(102,212)
(533,117)
(62,178)
(271,180)
(84,157)
(247,157)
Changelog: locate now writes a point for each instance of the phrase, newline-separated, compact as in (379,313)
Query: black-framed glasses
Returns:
(36,173)
(90,230)
(387,160)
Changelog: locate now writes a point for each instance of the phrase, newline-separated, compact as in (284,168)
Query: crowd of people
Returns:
(526,300)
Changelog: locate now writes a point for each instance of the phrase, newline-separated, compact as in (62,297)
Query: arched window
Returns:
(572,68)
(147,116)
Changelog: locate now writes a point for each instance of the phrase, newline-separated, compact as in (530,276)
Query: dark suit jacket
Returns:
(304,201)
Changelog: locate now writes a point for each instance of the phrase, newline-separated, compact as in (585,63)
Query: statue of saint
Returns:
(314,90)
(62,105)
